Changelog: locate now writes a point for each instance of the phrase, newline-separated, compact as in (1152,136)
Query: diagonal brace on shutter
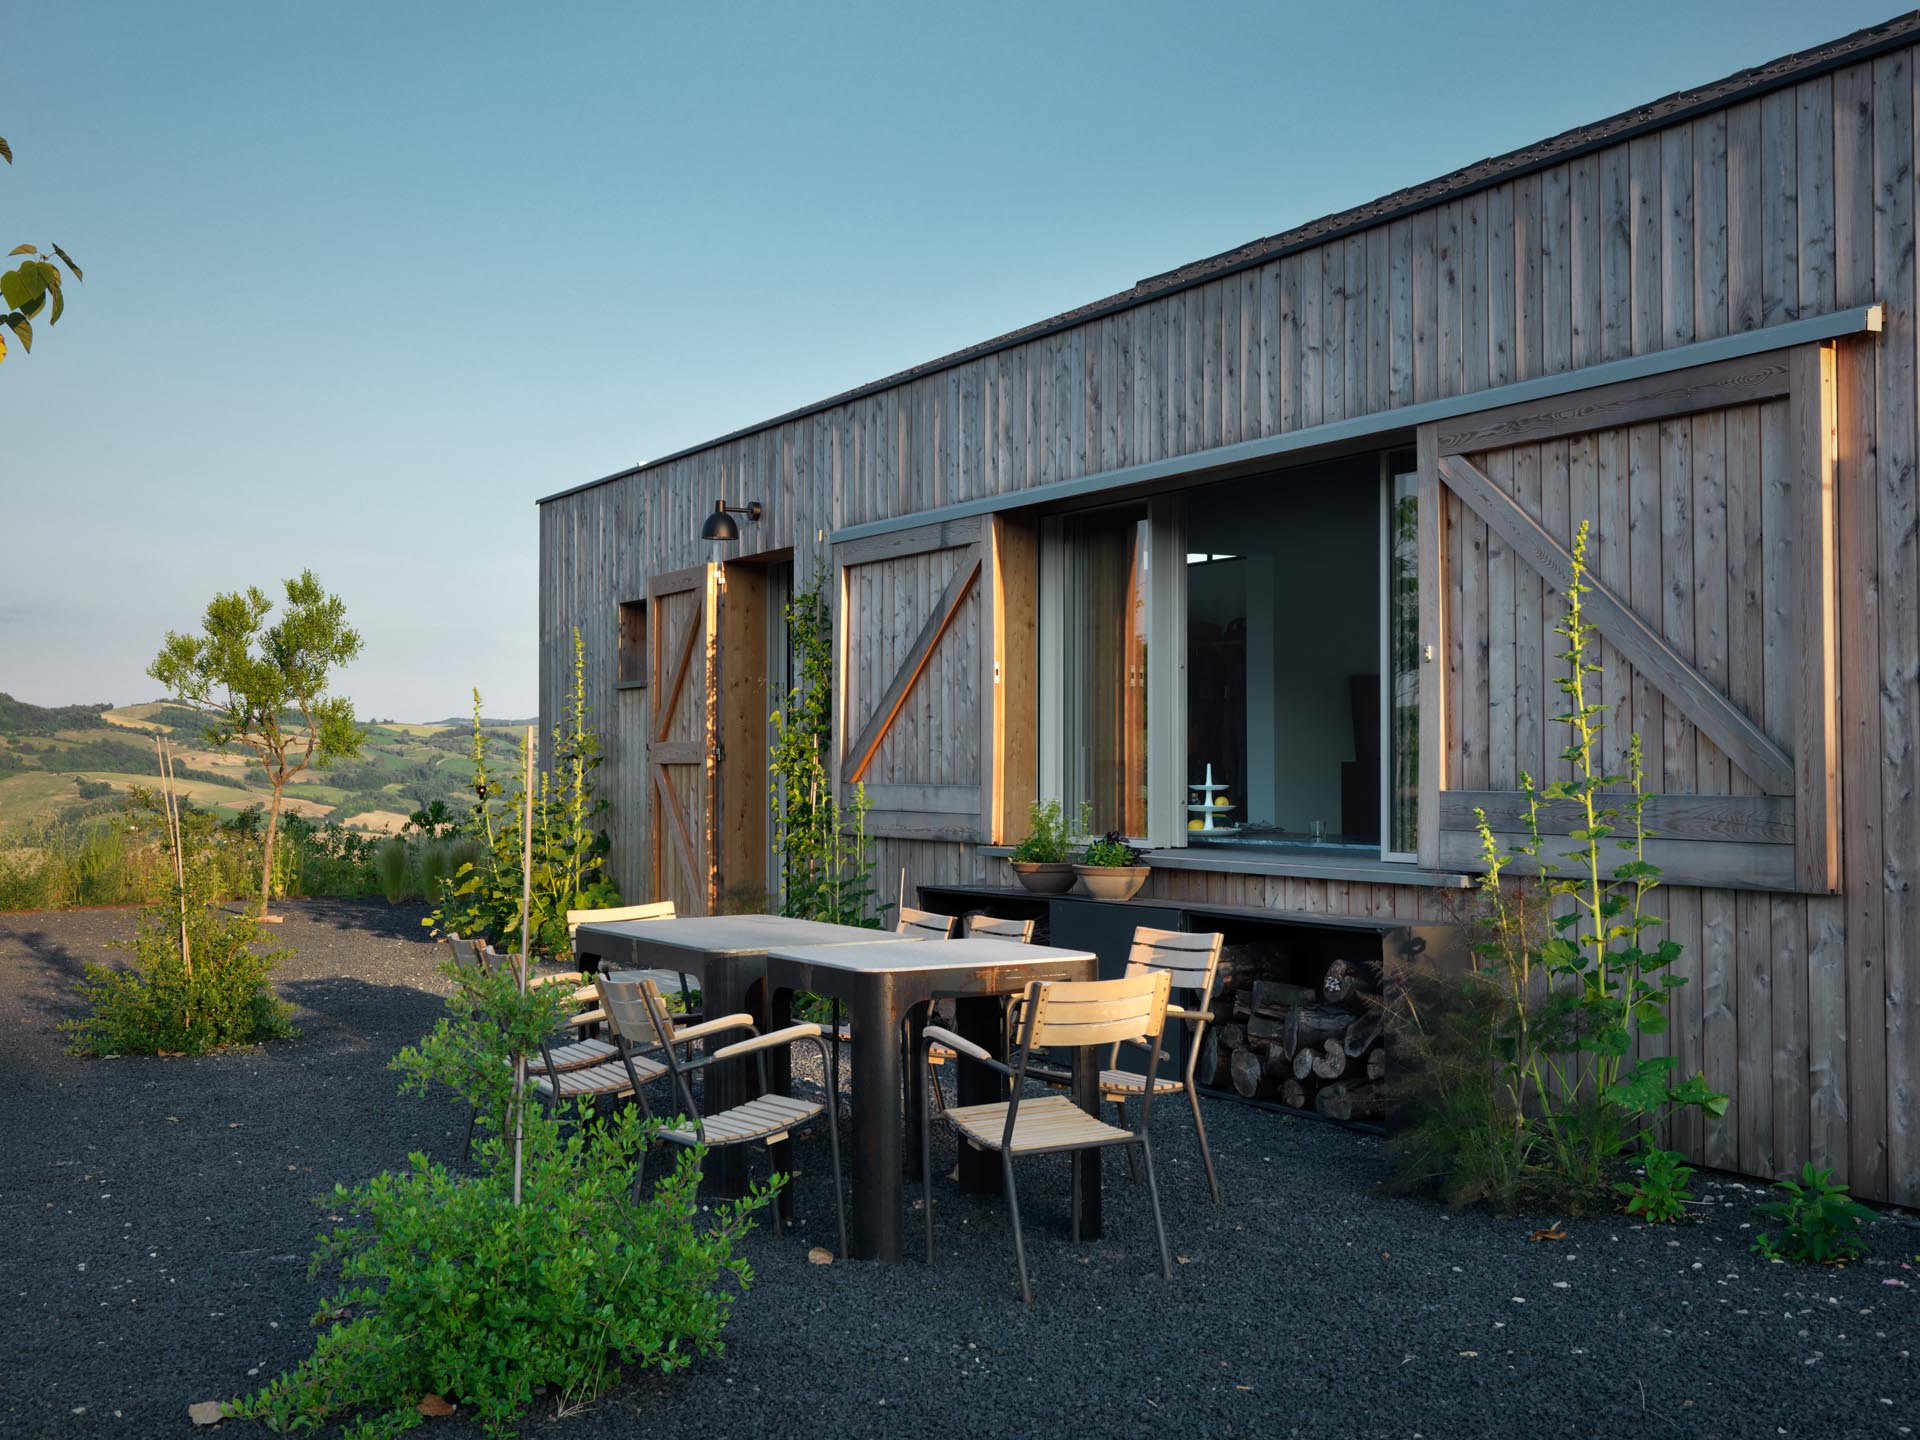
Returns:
(1744,742)
(860,754)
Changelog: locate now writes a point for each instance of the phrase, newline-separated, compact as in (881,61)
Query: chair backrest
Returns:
(1189,961)
(466,953)
(636,1010)
(923,924)
(1095,1012)
(652,910)
(998,929)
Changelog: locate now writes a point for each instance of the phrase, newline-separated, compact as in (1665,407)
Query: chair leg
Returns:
(839,1204)
(1153,1194)
(1019,1244)
(833,1066)
(1133,1161)
(779,1229)
(466,1145)
(1206,1151)
(926,1155)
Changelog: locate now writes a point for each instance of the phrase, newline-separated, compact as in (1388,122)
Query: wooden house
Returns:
(1300,514)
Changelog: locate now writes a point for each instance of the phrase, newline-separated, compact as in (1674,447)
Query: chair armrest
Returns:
(939,1035)
(801,1031)
(586,1017)
(712,1027)
(1180,1012)
(565,977)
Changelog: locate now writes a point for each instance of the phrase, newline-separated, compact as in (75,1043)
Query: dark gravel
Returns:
(155,1221)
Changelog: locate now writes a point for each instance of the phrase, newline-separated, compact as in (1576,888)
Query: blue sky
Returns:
(366,280)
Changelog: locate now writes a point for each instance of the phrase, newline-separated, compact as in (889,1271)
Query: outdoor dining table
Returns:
(727,956)
(885,986)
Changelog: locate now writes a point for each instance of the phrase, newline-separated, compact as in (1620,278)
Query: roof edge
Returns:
(1672,109)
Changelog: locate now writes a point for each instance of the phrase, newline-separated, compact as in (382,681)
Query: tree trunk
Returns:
(1329,1061)
(266,860)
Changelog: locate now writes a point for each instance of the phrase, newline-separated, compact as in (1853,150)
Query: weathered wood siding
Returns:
(1794,203)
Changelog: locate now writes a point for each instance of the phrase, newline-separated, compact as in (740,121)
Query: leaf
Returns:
(1550,1233)
(434,1406)
(207,1412)
(23,250)
(59,304)
(18,324)
(6,152)
(68,259)
(819,1255)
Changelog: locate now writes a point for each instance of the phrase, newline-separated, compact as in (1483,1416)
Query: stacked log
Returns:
(1315,1047)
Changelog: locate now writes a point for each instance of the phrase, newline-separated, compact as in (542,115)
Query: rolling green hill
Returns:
(72,760)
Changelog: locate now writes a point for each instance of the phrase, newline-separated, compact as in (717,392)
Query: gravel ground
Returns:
(155,1220)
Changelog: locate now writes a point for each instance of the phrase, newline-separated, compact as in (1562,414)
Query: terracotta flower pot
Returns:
(1111,882)
(1044,877)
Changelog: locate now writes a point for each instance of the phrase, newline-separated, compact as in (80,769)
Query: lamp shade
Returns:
(720,525)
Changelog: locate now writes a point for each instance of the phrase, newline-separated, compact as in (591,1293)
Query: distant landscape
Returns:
(65,763)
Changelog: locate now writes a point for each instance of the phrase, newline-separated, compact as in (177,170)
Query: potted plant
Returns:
(1111,869)
(1043,862)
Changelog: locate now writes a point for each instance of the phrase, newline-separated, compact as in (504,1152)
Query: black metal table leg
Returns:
(774,1012)
(877,1229)
(730,1083)
(981,1019)
(913,1038)
(1086,1163)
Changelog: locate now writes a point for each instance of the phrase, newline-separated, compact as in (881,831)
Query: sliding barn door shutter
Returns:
(916,719)
(682,751)
(1709,496)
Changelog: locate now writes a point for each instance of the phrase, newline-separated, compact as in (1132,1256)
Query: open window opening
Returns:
(1235,667)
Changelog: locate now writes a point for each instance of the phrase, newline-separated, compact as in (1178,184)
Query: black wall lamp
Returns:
(720,524)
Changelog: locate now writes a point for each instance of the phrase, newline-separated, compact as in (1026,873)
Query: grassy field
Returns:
(401,767)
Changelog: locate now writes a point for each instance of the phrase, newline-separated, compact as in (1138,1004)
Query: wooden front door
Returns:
(682,758)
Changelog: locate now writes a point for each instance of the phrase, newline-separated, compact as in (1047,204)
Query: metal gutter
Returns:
(1861,319)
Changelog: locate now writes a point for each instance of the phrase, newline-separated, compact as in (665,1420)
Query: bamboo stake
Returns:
(520,964)
(165,756)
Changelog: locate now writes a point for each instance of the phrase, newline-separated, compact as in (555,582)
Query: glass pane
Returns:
(1104,669)
(1283,625)
(1403,664)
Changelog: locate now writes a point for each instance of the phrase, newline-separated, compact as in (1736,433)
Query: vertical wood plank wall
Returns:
(1807,1009)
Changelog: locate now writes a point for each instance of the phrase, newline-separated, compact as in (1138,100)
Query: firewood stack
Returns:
(1310,1047)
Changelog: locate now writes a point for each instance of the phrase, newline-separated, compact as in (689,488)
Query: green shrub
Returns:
(219,993)
(392,864)
(1111,850)
(1819,1221)
(458,1289)
(1661,1194)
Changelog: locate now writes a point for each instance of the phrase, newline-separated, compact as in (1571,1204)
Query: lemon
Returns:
(1193,825)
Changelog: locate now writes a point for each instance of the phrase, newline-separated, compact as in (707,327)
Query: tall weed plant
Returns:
(1518,1082)
(482,898)
(826,859)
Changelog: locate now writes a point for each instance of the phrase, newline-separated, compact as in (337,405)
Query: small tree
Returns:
(26,288)
(265,686)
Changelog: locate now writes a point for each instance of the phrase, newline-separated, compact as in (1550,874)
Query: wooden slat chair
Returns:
(652,910)
(980,927)
(1192,961)
(1058,1014)
(573,1067)
(639,1018)
(1192,964)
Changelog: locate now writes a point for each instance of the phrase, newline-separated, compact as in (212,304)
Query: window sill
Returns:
(1304,867)
(630,685)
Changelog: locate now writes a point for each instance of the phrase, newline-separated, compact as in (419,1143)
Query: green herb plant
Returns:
(1048,840)
(1111,850)
(1819,1220)
(1660,1195)
(26,288)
